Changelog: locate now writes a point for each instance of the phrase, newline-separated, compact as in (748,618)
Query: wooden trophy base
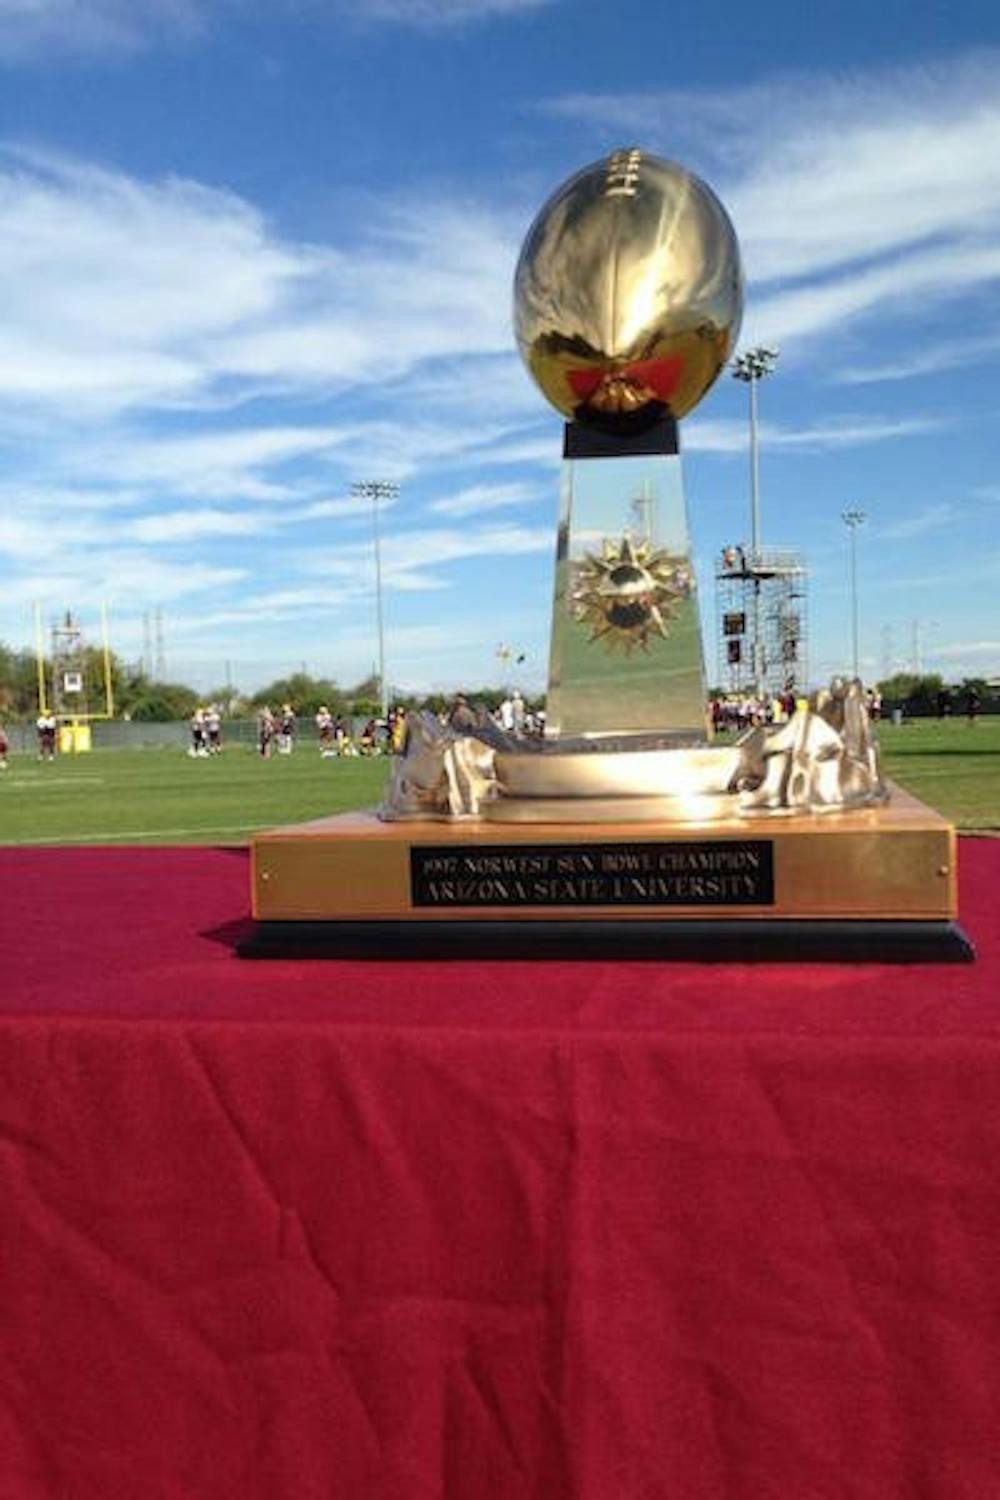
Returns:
(877,885)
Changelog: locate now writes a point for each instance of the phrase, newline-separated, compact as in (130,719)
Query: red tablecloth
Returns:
(343,1231)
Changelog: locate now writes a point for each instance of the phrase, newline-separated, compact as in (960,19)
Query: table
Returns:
(523,1231)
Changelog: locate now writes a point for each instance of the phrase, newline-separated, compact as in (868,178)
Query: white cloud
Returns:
(477,498)
(24,537)
(116,576)
(707,435)
(107,29)
(411,549)
(850,194)
(439,14)
(29,27)
(412,560)
(272,606)
(353,507)
(846,190)
(29,497)
(124,287)
(929,359)
(401,448)
(851,432)
(986,565)
(218,464)
(475,388)
(908,283)
(185,526)
(431,281)
(970,648)
(927,518)
(83,233)
(192,526)
(543,450)
(173,295)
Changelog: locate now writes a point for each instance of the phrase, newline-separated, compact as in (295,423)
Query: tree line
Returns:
(143,698)
(922,694)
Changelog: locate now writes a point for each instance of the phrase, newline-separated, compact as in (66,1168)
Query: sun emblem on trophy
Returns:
(631,594)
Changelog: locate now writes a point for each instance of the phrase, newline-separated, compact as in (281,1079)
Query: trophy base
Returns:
(876,884)
(725,941)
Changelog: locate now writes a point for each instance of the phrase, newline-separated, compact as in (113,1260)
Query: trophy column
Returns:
(626,655)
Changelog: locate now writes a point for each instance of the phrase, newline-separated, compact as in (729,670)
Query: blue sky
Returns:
(252,252)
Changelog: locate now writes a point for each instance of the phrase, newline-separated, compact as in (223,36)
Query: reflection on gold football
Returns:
(629,293)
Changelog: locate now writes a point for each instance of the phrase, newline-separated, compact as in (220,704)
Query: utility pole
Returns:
(642,510)
(160,667)
(377,490)
(750,367)
(919,643)
(852,519)
(147,643)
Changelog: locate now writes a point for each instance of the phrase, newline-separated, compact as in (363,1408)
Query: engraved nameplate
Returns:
(679,873)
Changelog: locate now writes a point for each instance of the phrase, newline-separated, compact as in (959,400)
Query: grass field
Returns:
(162,796)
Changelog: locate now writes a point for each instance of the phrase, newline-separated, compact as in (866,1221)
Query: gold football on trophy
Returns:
(628,294)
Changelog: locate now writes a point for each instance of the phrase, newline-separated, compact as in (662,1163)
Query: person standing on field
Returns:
(286,730)
(324,724)
(213,729)
(265,732)
(46,727)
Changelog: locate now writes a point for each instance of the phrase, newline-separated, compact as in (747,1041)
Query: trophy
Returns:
(625,829)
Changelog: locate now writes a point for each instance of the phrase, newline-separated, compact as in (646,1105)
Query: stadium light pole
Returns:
(377,490)
(750,367)
(852,519)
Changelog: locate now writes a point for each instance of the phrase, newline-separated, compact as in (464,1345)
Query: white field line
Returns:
(133,833)
(37,778)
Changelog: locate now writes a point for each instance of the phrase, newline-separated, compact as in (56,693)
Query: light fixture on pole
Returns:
(377,490)
(852,519)
(750,367)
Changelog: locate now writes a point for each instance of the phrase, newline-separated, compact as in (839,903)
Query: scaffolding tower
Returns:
(761,622)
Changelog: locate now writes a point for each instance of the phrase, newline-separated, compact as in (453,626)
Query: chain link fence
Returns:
(116,734)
